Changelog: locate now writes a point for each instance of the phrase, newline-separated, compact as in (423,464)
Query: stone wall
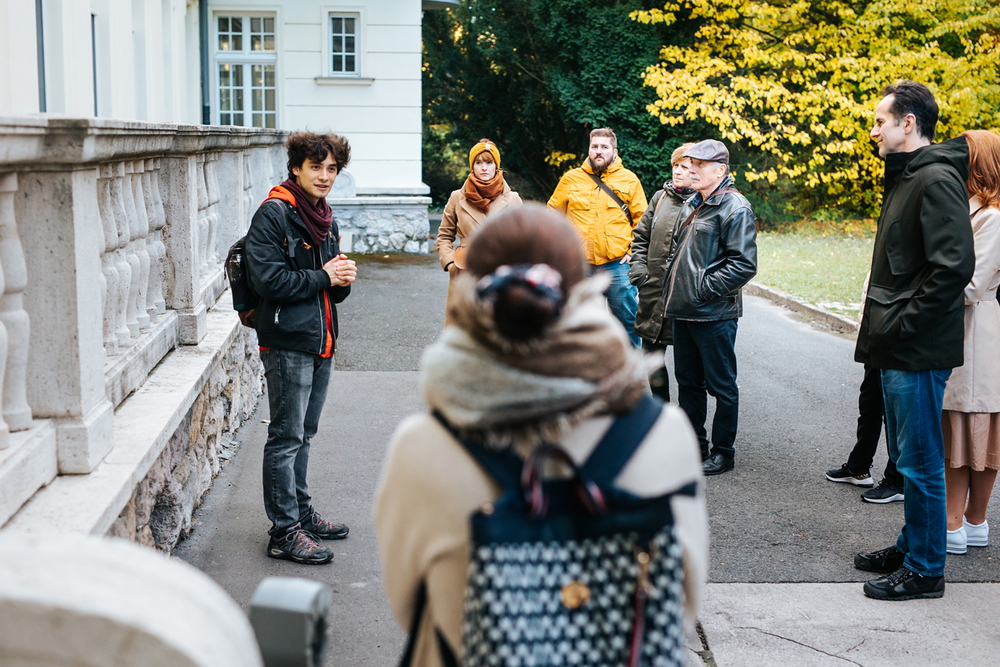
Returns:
(159,512)
(382,224)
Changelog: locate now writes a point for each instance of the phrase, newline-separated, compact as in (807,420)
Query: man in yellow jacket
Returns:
(604,200)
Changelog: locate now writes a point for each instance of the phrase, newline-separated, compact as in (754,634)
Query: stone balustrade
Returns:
(112,236)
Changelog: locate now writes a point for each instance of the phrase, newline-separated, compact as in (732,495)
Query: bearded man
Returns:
(604,201)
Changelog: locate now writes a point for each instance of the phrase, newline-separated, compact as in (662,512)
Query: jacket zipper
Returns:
(277,311)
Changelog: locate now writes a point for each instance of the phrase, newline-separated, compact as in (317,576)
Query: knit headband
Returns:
(484,147)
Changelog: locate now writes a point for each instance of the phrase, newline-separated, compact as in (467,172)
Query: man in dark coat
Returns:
(912,329)
(295,265)
(713,255)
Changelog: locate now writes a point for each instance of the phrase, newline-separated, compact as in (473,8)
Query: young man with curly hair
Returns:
(296,266)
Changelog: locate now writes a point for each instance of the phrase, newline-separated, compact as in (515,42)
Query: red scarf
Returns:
(318,217)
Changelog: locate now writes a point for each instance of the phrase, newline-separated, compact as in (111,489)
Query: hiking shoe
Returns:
(844,474)
(905,584)
(323,529)
(883,493)
(298,546)
(882,561)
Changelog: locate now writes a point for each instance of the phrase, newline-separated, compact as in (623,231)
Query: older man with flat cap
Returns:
(712,256)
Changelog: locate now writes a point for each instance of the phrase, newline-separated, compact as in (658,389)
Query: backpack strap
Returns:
(621,440)
(504,466)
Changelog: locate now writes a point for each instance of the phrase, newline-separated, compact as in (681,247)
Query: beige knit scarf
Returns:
(505,393)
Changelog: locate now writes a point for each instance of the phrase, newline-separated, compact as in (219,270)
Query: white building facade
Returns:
(352,67)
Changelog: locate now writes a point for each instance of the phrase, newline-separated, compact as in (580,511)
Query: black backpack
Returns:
(572,572)
(245,297)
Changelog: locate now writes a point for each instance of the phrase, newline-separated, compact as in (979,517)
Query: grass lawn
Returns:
(825,270)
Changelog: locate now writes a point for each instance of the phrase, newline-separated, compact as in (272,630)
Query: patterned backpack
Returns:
(572,571)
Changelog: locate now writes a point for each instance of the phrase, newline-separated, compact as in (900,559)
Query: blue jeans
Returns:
(296,391)
(913,429)
(622,296)
(705,361)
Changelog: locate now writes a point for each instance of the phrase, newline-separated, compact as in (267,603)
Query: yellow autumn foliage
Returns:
(799,80)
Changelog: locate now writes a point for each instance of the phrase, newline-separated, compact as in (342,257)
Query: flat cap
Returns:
(709,150)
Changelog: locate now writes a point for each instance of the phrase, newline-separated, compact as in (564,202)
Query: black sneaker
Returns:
(883,493)
(844,474)
(905,584)
(323,529)
(299,546)
(882,561)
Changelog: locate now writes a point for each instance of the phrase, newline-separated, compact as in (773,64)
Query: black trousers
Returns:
(659,380)
(871,416)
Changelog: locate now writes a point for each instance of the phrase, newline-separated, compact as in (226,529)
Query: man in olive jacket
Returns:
(913,325)
(713,255)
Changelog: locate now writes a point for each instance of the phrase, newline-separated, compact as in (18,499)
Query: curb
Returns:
(833,320)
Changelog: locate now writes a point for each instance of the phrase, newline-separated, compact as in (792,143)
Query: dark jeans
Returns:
(659,380)
(622,296)
(296,391)
(871,415)
(705,360)
(913,429)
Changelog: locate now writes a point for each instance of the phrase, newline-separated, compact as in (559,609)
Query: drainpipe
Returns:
(40,49)
(206,105)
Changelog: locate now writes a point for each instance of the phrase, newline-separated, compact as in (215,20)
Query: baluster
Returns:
(131,256)
(247,190)
(16,411)
(8,186)
(214,197)
(142,231)
(157,250)
(117,173)
(111,286)
(202,232)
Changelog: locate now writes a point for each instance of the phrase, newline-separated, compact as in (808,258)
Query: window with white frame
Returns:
(245,61)
(344,38)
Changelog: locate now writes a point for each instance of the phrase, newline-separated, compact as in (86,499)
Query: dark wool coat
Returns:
(650,247)
(922,261)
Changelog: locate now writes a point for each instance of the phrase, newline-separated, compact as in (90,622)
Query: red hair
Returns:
(984,166)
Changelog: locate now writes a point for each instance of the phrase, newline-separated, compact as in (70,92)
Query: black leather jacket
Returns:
(711,259)
(923,258)
(291,314)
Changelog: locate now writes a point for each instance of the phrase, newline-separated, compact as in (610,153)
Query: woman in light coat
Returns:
(518,369)
(971,416)
(485,191)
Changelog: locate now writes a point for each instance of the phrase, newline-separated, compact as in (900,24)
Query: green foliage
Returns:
(536,76)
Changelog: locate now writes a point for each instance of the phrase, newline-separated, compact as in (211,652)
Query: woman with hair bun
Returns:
(534,357)
(485,191)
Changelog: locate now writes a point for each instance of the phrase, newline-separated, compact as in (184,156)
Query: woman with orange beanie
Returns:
(484,192)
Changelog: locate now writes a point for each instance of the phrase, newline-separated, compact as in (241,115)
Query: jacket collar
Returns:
(715,198)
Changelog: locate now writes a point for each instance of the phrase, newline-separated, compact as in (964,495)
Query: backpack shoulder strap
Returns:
(504,466)
(614,197)
(621,440)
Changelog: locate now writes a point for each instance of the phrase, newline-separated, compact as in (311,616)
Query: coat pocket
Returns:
(887,304)
(894,249)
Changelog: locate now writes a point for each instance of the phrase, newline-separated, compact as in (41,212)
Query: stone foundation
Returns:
(382,224)
(160,509)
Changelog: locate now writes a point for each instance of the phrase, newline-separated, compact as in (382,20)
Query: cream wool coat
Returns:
(975,386)
(430,486)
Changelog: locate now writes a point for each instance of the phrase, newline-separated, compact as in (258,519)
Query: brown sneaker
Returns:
(298,546)
(323,529)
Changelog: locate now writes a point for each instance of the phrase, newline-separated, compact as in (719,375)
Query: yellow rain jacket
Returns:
(607,235)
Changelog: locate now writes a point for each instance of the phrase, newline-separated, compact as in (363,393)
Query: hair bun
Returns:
(526,298)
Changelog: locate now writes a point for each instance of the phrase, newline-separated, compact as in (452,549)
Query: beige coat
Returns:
(460,220)
(430,486)
(975,386)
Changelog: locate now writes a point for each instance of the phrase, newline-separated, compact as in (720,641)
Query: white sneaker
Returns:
(977,536)
(957,541)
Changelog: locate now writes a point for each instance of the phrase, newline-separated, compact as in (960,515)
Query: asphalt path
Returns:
(775,518)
